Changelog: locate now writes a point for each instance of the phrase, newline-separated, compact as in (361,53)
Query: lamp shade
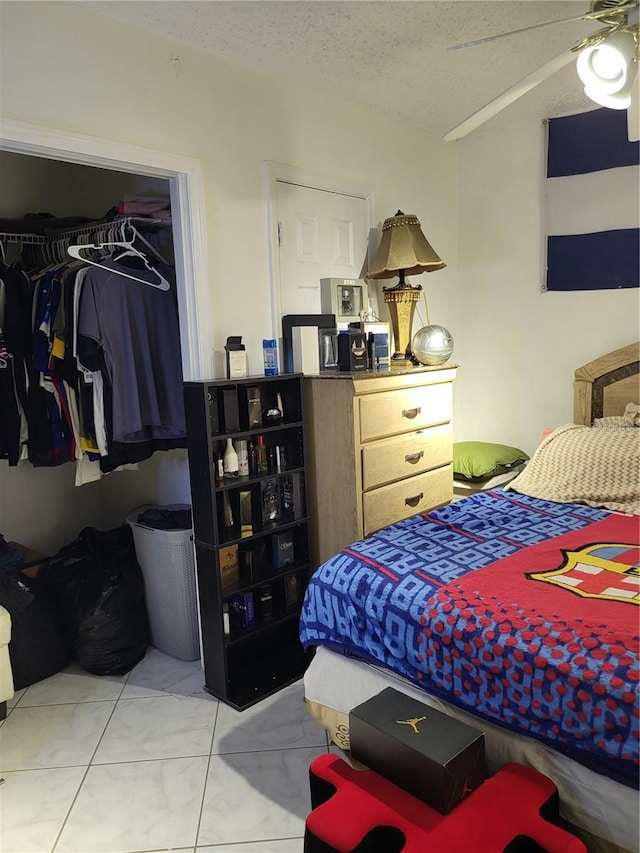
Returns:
(403,246)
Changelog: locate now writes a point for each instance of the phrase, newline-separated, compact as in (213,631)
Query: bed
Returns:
(514,610)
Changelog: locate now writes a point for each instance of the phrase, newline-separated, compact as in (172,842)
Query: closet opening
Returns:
(43,507)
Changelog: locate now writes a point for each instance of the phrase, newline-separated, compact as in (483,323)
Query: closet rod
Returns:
(31,239)
(89,228)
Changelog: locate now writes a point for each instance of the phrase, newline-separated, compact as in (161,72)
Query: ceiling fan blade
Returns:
(512,33)
(586,16)
(510,95)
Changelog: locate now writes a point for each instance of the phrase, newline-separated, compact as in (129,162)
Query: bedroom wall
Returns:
(65,68)
(517,346)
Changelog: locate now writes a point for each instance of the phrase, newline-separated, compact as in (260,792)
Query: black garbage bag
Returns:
(37,648)
(98,589)
(10,557)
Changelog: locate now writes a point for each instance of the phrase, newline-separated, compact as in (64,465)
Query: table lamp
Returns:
(403,250)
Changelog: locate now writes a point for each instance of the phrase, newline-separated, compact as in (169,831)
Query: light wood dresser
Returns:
(380,449)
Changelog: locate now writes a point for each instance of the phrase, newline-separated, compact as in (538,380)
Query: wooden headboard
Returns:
(605,386)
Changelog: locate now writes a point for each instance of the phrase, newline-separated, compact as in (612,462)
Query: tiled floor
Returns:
(148,761)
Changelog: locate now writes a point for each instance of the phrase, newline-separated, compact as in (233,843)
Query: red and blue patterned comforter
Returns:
(521,610)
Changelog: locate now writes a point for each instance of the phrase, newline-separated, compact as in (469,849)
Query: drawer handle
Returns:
(412,458)
(411,413)
(414,501)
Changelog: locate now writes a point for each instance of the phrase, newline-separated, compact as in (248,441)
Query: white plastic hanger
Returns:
(74,252)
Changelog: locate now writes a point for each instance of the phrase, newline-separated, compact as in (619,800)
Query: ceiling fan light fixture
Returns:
(605,68)
(607,65)
(617,101)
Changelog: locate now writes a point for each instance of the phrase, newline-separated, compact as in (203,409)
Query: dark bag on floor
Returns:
(98,589)
(37,648)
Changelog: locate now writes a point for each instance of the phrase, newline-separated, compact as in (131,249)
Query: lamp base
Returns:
(401,362)
(401,302)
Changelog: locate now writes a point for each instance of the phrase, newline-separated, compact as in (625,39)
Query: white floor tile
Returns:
(33,805)
(169,727)
(292,845)
(192,685)
(159,672)
(11,703)
(52,735)
(279,722)
(73,684)
(256,796)
(149,755)
(145,805)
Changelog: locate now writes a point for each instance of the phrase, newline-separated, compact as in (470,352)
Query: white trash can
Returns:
(167,562)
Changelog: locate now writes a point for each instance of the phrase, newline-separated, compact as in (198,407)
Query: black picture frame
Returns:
(322,321)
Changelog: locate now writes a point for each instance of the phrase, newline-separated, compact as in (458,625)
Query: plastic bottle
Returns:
(270,357)
(230,460)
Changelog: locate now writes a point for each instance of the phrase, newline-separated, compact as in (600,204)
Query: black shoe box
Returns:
(434,757)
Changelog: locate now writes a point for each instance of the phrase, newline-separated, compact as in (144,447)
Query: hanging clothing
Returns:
(90,360)
(132,330)
(19,409)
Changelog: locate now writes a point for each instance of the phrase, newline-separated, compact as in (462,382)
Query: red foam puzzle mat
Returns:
(358,811)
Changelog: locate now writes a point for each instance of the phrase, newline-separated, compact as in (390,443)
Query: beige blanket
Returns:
(579,464)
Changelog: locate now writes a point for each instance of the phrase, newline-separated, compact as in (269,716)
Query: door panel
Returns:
(322,234)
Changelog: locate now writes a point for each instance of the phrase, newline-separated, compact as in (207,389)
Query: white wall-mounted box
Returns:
(347,298)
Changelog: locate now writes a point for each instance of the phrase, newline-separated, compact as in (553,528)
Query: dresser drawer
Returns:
(406,455)
(393,412)
(392,503)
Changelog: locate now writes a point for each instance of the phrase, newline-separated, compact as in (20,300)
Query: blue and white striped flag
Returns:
(592,203)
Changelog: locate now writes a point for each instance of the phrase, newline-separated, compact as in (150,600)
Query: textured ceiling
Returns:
(390,54)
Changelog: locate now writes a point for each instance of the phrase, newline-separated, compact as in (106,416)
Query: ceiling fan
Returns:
(607,64)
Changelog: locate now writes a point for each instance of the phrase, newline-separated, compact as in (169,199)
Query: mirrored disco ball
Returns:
(432,345)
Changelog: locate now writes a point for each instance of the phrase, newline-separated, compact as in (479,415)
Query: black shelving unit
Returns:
(243,664)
